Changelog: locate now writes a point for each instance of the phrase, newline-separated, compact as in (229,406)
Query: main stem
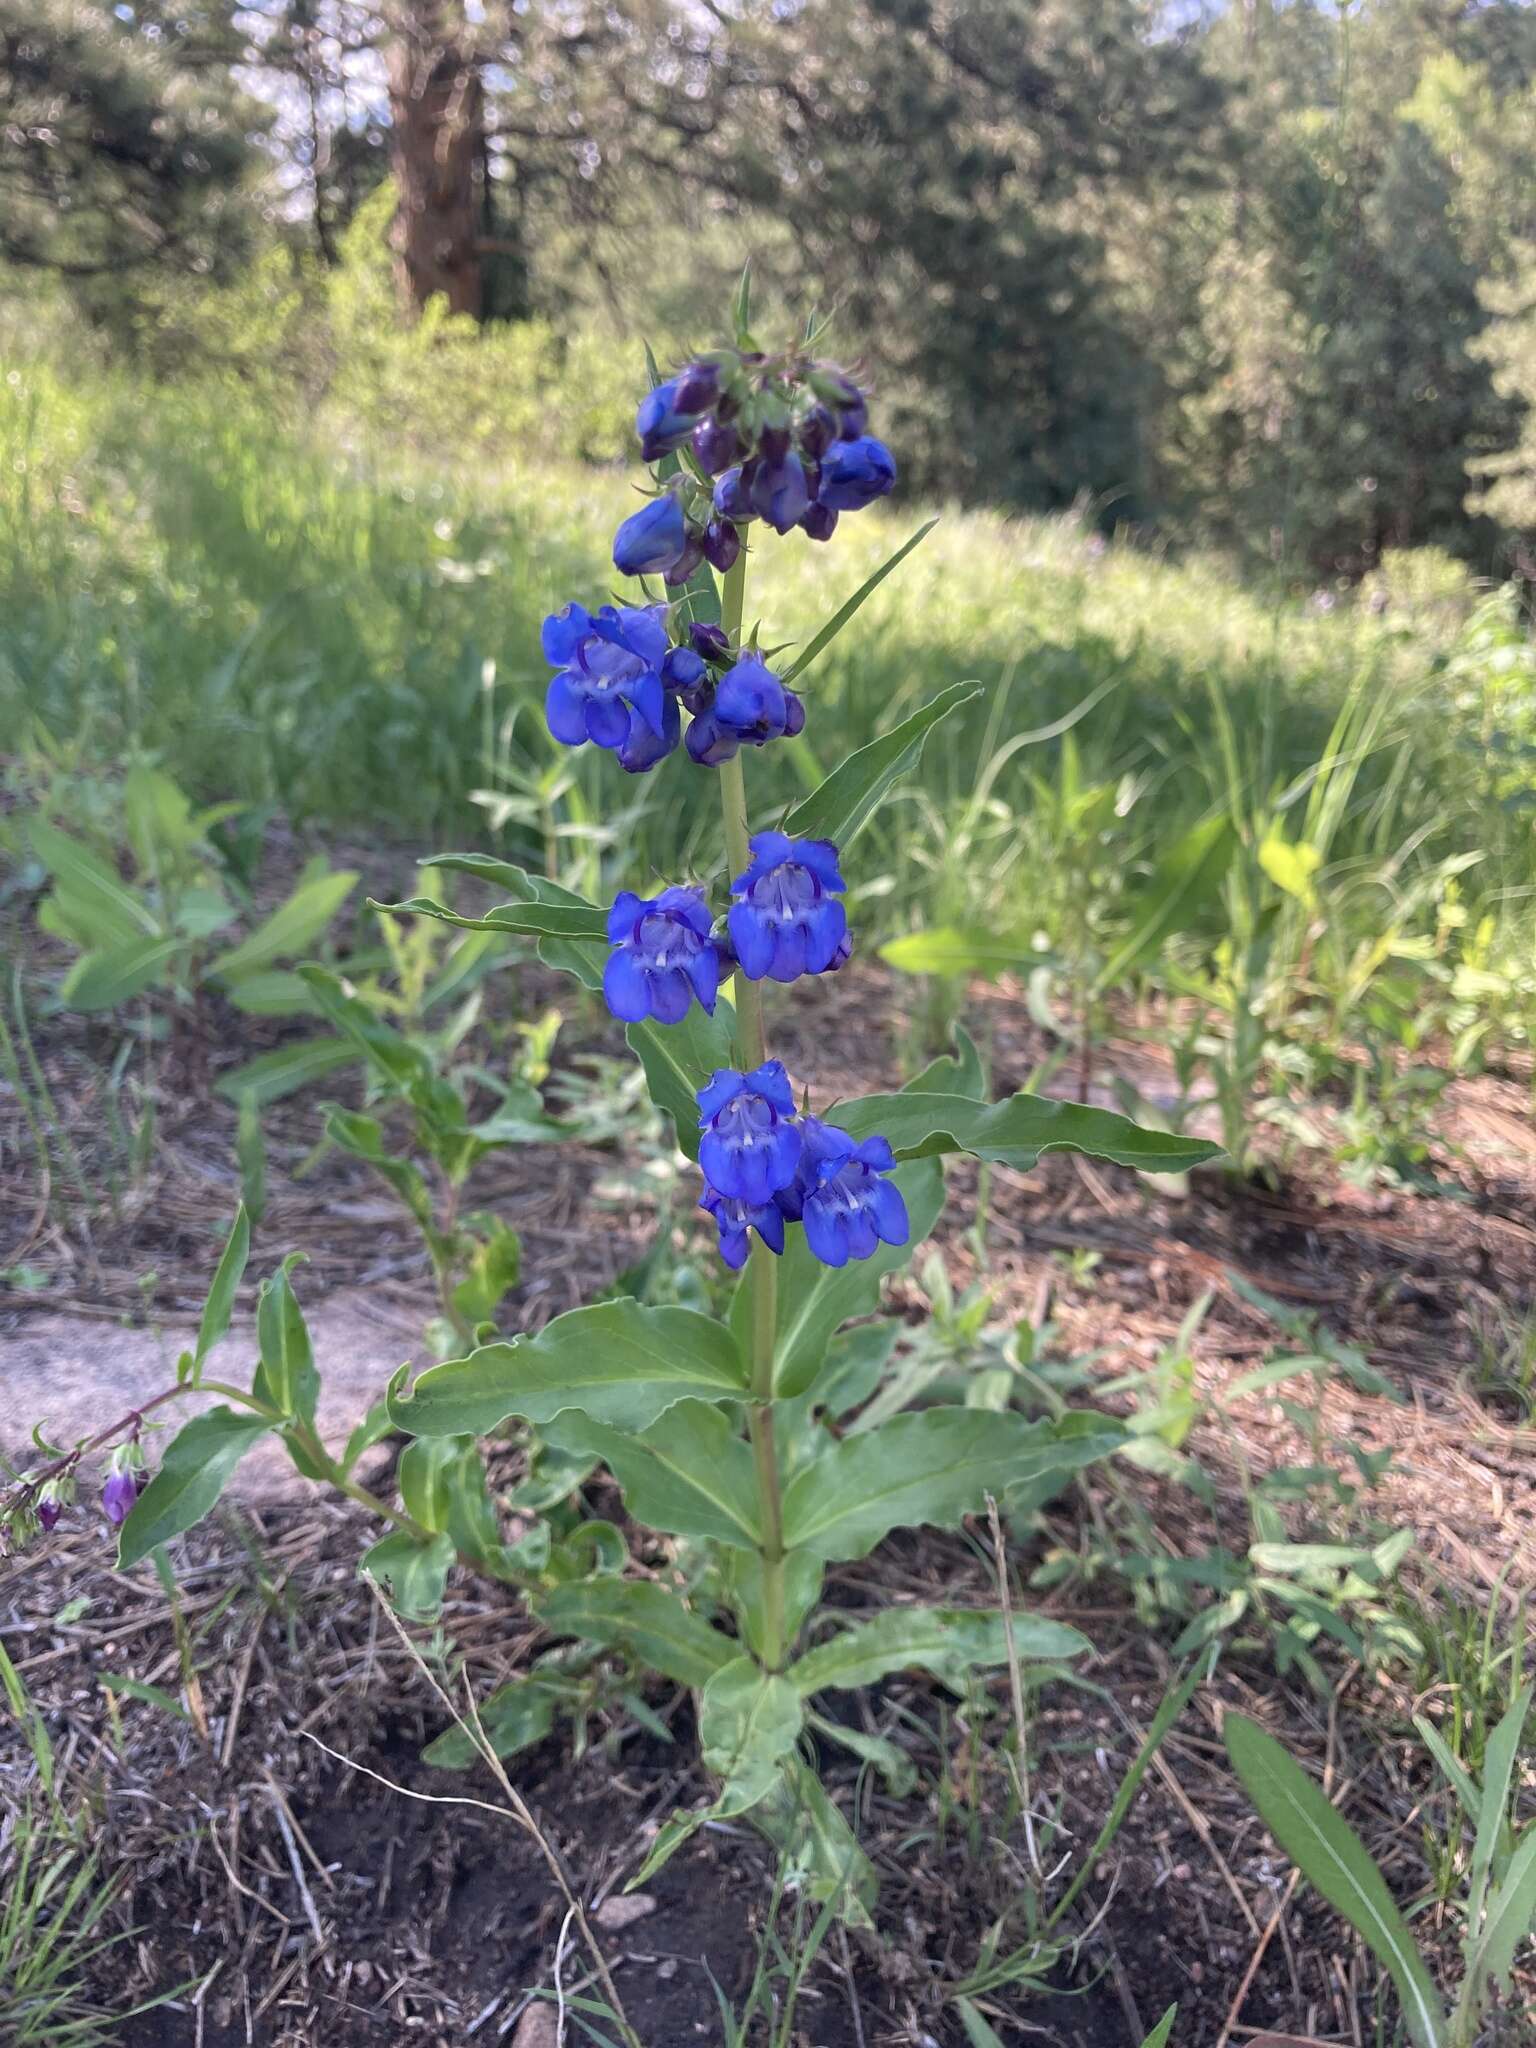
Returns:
(762,1270)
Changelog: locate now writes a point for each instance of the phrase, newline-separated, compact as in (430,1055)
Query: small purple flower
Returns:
(651,540)
(780,492)
(855,473)
(751,707)
(49,1510)
(683,669)
(842,1196)
(722,544)
(663,956)
(787,921)
(734,1218)
(750,1143)
(608,680)
(120,1490)
(733,493)
(662,421)
(710,641)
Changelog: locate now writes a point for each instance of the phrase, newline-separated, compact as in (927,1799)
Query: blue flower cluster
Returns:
(764,1166)
(785,922)
(784,440)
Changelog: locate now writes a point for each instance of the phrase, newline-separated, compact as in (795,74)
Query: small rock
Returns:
(537,2028)
(623,1909)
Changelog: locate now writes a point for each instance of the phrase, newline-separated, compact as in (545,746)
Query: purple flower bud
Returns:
(733,498)
(710,641)
(48,1512)
(780,494)
(855,473)
(852,420)
(120,1491)
(820,521)
(722,544)
(697,387)
(773,444)
(683,669)
(662,422)
(794,715)
(717,445)
(818,430)
(680,570)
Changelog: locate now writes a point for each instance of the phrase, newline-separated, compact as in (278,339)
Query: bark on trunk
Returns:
(437,119)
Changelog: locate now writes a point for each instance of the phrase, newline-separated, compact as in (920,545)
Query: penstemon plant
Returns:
(739,1438)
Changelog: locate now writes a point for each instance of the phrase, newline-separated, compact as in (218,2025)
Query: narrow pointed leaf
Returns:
(1332,1857)
(820,641)
(272,1075)
(1188,877)
(291,929)
(100,981)
(534,920)
(286,1378)
(1508,1921)
(1499,1755)
(1016,1132)
(618,1362)
(220,1305)
(839,809)
(113,909)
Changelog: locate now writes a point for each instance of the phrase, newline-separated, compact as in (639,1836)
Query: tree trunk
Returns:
(437,121)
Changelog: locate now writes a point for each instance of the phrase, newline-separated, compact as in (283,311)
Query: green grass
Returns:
(350,633)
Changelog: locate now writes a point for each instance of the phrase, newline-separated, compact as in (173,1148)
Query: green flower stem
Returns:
(762,1269)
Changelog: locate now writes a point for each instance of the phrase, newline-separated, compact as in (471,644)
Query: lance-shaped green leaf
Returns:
(220,1305)
(286,1378)
(820,641)
(192,1475)
(936,1465)
(959,1072)
(583,957)
(749,1722)
(396,1058)
(533,920)
(97,904)
(1508,1921)
(616,1361)
(363,1137)
(820,1848)
(100,981)
(645,1621)
(955,950)
(948,1642)
(514,1717)
(284,1070)
(679,1058)
(1189,875)
(814,1300)
(291,929)
(413,1574)
(839,809)
(1016,1132)
(690,1474)
(1332,1857)
(1500,1754)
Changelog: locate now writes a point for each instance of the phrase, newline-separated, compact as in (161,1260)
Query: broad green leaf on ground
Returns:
(286,1378)
(936,1465)
(516,1715)
(1188,877)
(100,981)
(643,1619)
(97,903)
(749,1722)
(821,640)
(948,949)
(1016,1132)
(814,1300)
(291,929)
(948,1642)
(689,1475)
(532,920)
(272,1075)
(220,1304)
(197,1464)
(679,1059)
(845,801)
(412,1574)
(1332,1857)
(616,1361)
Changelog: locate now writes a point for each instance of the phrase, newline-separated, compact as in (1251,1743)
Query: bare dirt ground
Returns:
(340,1911)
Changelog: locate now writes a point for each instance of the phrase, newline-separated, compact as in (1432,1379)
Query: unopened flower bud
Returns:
(732,497)
(680,570)
(683,668)
(855,473)
(820,521)
(722,544)
(773,443)
(662,422)
(49,1509)
(712,642)
(119,1492)
(818,430)
(652,538)
(717,445)
(779,492)
(697,387)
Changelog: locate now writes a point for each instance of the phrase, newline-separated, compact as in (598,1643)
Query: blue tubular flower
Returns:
(651,540)
(733,493)
(661,423)
(788,922)
(663,956)
(855,473)
(734,1218)
(750,1144)
(608,677)
(751,707)
(842,1196)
